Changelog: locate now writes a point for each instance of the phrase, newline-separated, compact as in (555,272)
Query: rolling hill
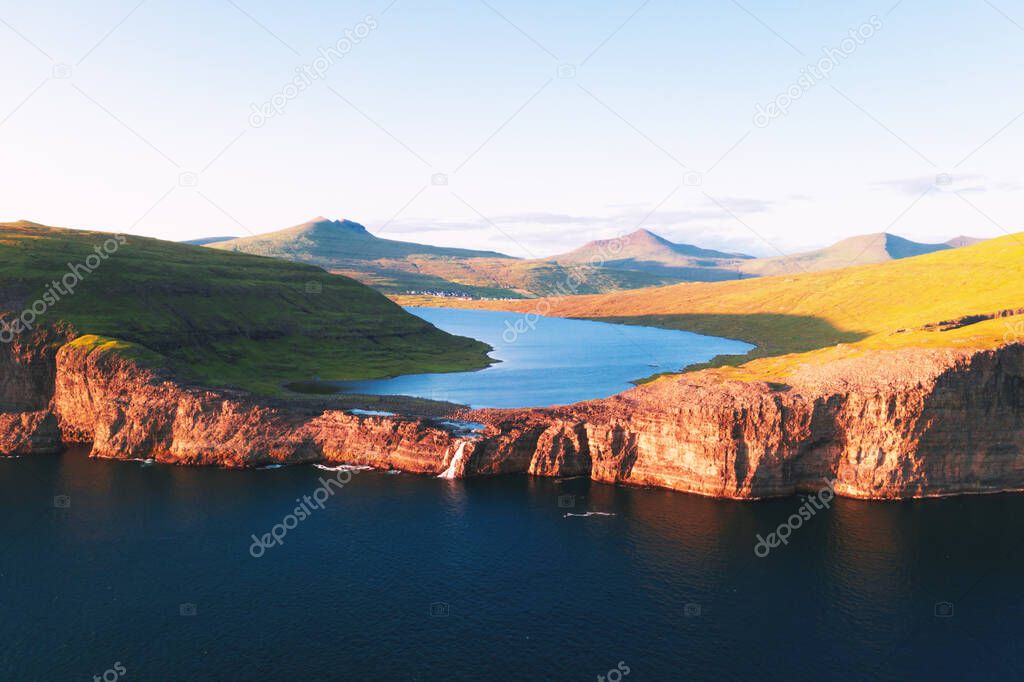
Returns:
(346,247)
(221,318)
(860,250)
(645,251)
(333,243)
(966,297)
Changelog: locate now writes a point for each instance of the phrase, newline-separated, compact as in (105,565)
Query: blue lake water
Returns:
(403,577)
(549,360)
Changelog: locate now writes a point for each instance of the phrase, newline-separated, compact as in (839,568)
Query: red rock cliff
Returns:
(886,424)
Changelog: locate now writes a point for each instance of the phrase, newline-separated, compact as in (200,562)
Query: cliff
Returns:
(882,424)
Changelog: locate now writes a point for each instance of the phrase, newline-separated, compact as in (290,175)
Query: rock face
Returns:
(884,424)
(888,424)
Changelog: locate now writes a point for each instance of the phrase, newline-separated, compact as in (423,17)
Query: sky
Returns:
(526,127)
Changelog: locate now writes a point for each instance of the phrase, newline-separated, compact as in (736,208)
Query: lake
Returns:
(401,577)
(549,360)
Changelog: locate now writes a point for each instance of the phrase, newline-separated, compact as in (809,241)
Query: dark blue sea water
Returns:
(550,360)
(401,577)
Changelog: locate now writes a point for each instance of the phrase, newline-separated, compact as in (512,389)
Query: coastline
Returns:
(889,424)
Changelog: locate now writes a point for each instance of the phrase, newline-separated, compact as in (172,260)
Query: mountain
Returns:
(645,251)
(220,318)
(347,248)
(640,259)
(642,245)
(207,240)
(860,250)
(336,243)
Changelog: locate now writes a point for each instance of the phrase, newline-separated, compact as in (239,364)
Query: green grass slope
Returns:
(220,318)
(337,243)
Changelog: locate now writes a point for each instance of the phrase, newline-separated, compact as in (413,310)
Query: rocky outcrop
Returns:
(27,376)
(878,424)
(128,410)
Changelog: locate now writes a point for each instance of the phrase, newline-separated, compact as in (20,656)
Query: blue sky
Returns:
(553,122)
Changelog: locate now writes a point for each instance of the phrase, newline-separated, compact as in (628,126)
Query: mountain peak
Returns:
(644,234)
(322,224)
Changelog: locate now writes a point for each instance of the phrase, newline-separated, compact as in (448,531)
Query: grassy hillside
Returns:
(225,319)
(912,302)
(860,250)
(334,243)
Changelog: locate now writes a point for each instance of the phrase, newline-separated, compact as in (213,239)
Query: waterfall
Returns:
(453,469)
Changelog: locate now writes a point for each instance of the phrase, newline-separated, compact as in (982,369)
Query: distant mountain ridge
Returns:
(641,245)
(206,241)
(859,250)
(645,251)
(636,260)
(334,243)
